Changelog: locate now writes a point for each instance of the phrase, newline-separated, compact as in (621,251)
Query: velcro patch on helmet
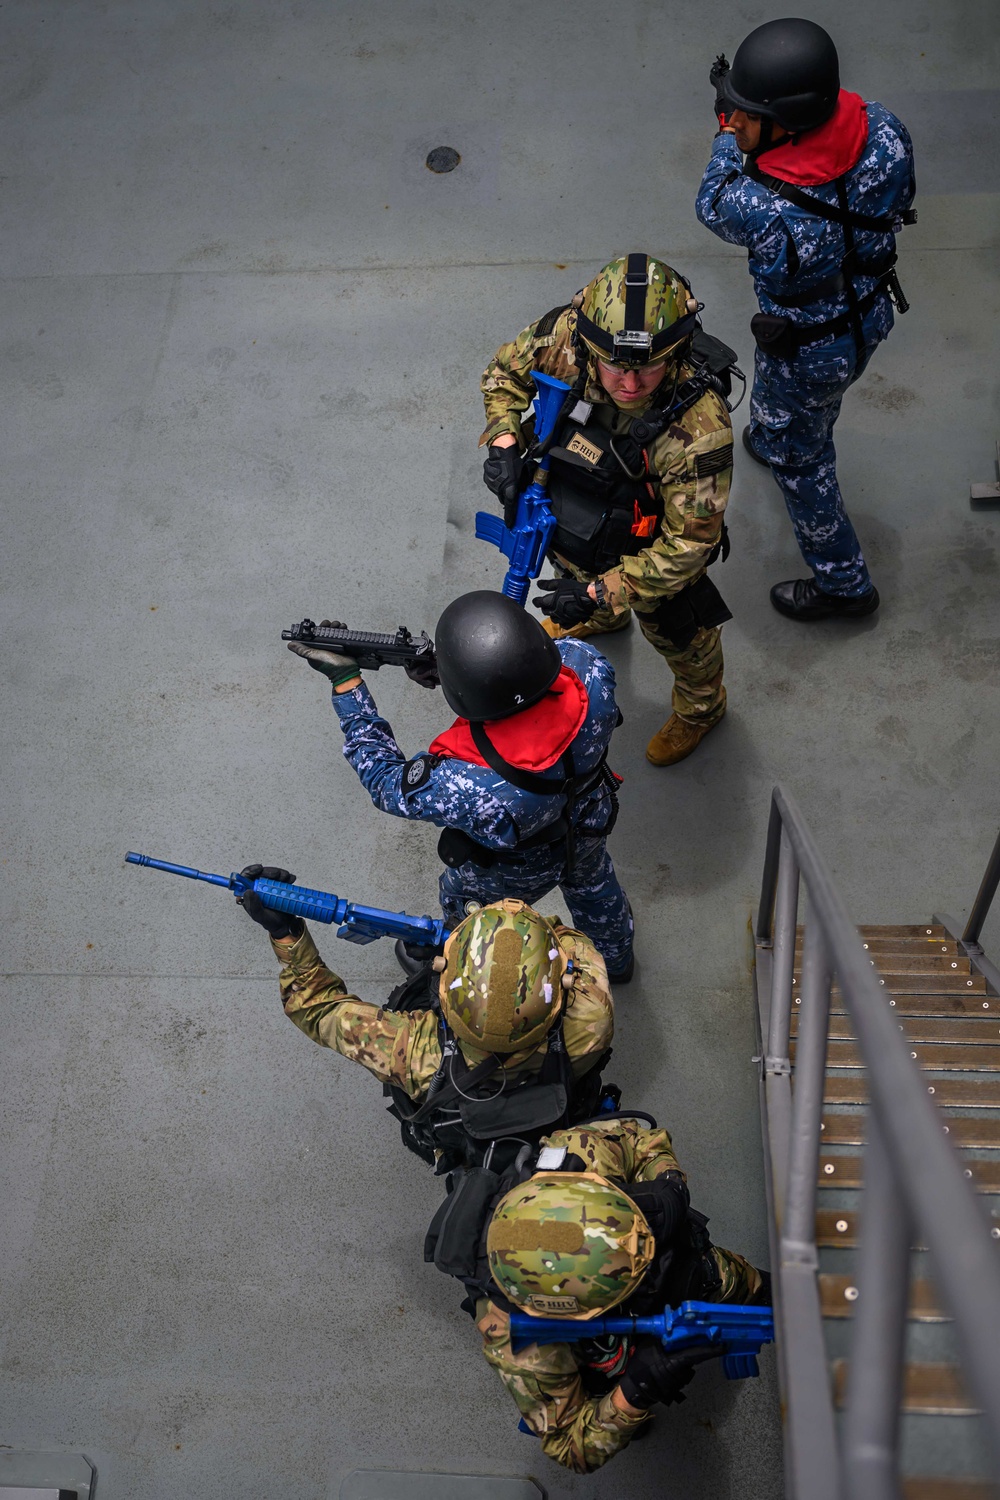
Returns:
(557,1305)
(714,462)
(417,773)
(560,1236)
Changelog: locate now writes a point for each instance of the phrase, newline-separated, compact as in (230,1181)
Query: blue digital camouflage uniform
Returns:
(795,402)
(456,794)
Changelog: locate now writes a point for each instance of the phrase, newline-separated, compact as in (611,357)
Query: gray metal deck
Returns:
(242,333)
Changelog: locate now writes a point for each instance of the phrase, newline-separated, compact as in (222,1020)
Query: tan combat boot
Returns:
(676,740)
(581,632)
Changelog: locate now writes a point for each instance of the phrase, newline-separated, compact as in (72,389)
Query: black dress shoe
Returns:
(752,450)
(803,599)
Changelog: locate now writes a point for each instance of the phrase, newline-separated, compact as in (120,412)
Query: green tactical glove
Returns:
(338,669)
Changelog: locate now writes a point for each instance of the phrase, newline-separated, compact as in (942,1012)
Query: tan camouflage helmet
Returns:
(568,1245)
(635,311)
(502,984)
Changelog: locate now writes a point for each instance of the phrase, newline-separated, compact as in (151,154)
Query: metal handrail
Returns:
(914,1185)
(984,897)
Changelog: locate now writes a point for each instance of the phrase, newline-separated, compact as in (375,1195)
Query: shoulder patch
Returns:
(713,462)
(417,773)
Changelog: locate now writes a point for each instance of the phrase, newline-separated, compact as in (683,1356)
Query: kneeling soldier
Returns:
(639,474)
(504,1035)
(604,1222)
(520,782)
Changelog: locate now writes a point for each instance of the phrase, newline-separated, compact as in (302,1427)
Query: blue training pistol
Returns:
(357,924)
(527,544)
(738,1331)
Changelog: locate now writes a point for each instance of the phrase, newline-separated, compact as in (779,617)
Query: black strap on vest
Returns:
(849,220)
(449,1090)
(528,781)
(839,213)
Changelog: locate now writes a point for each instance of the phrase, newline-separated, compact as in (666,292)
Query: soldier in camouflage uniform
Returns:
(826,183)
(604,1222)
(639,504)
(509,986)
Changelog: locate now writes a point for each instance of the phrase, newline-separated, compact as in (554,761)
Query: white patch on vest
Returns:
(550,1158)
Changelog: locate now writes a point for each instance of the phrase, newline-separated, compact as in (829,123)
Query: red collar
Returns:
(532,740)
(820,155)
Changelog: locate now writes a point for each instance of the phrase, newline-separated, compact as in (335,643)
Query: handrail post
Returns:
(877,1347)
(814,1459)
(799,1232)
(984,897)
(765,911)
(782,969)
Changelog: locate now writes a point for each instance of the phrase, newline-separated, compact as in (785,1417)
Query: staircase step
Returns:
(956,1093)
(847,1172)
(930,1390)
(943,1058)
(965,1130)
(920,984)
(839,1298)
(977,1031)
(949,1003)
(869,931)
(914,963)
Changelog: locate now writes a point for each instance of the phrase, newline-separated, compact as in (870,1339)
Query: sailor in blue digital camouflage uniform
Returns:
(826,185)
(519,784)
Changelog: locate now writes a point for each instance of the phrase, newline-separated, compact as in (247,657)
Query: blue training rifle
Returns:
(358,924)
(738,1331)
(526,545)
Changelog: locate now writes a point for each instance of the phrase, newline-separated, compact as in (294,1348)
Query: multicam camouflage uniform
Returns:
(580,1431)
(691,468)
(404,1048)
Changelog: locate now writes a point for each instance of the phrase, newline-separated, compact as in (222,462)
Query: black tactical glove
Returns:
(424,671)
(657,1374)
(502,473)
(331,664)
(277,923)
(717,76)
(565,601)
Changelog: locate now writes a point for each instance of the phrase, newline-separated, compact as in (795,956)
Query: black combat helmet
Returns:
(493,659)
(787,71)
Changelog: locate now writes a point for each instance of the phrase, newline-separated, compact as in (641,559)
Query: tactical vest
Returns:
(602,491)
(781,336)
(456,847)
(467,1119)
(683,1265)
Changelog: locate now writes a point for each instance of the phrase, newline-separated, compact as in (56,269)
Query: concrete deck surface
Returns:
(242,333)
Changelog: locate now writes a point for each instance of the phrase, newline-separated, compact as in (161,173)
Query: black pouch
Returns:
(775,335)
(699,606)
(457,848)
(453,1236)
(539,1106)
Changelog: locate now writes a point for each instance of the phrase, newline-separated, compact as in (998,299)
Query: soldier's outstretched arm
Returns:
(397,1048)
(576,1430)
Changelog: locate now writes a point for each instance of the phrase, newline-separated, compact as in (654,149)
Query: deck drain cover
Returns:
(443,159)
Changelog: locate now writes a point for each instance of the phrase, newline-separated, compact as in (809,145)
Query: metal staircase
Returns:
(880,1095)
